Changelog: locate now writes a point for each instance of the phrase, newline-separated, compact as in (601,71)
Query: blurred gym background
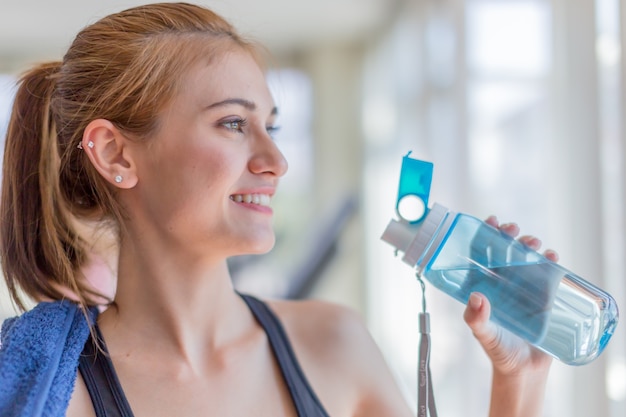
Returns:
(519,104)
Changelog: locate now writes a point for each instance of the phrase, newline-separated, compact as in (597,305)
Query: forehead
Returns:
(232,74)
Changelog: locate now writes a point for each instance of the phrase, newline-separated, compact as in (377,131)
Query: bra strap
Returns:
(104,388)
(306,402)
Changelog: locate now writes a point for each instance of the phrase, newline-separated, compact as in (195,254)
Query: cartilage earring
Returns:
(89,144)
(118,179)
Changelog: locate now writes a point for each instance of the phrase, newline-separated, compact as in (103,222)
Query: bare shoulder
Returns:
(325,328)
(340,358)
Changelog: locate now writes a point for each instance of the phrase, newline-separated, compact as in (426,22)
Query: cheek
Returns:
(211,171)
(205,178)
(193,172)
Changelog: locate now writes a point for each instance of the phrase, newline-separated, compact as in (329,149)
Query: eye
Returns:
(236,125)
(272,130)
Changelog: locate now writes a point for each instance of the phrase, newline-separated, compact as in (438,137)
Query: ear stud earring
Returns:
(118,179)
(89,144)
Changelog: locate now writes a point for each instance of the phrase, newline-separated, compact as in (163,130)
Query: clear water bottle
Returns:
(531,296)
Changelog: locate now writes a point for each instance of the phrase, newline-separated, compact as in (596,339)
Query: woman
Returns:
(158,125)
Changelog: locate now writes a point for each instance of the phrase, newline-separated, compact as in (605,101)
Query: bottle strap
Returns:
(425,396)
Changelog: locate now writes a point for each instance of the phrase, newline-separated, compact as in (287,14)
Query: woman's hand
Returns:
(508,353)
(520,370)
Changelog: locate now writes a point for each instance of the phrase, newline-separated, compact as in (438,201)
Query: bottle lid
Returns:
(418,226)
(414,189)
(429,228)
(399,234)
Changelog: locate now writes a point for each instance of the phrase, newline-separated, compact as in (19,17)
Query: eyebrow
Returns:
(240,102)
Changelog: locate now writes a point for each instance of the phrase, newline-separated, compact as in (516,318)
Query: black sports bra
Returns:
(109,400)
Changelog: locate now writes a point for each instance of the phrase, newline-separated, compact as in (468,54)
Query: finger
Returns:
(531,241)
(476,316)
(511,229)
(552,255)
(492,221)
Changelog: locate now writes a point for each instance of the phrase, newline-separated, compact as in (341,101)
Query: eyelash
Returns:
(272,130)
(241,123)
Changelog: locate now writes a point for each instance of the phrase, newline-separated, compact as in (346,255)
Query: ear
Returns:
(108,151)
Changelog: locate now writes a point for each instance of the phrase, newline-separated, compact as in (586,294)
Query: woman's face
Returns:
(206,178)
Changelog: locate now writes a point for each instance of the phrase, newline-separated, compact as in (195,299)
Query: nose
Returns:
(267,158)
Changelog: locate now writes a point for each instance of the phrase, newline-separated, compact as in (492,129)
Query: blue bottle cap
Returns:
(414,189)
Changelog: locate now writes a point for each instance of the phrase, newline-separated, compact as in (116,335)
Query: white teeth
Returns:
(259,199)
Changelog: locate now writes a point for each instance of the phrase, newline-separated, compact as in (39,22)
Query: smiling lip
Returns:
(259,199)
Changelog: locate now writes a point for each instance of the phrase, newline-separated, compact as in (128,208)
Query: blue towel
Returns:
(39,354)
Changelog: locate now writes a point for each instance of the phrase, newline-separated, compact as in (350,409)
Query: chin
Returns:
(260,246)
(262,249)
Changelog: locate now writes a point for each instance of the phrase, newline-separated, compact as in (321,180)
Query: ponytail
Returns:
(40,247)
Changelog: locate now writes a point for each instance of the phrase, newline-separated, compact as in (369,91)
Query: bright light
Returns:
(616,379)
(509,37)
(7,91)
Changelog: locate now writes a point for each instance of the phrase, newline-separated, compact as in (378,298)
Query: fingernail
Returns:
(551,254)
(492,220)
(475,302)
(508,225)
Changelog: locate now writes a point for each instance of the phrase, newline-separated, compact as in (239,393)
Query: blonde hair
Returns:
(124,68)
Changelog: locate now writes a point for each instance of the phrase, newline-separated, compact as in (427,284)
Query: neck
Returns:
(187,304)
